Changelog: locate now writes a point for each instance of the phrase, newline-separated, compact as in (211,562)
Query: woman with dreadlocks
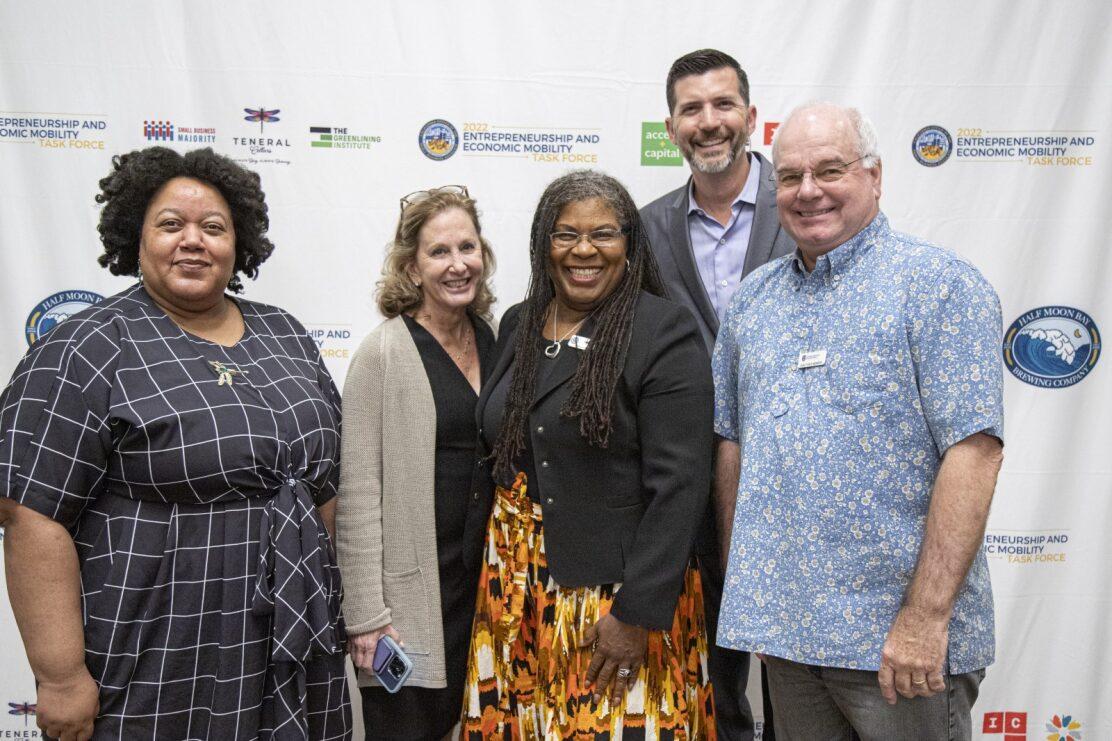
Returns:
(597,424)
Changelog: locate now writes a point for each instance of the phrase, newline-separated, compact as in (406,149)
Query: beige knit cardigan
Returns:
(385,513)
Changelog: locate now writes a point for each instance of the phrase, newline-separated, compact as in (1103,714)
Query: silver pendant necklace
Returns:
(554,349)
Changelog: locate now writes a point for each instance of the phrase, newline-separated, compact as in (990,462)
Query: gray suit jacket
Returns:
(665,221)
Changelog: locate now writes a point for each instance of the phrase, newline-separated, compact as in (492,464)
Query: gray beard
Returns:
(716,166)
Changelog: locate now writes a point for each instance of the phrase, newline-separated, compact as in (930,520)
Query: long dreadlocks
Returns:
(601,364)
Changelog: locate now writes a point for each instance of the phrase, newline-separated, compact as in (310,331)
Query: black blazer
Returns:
(628,512)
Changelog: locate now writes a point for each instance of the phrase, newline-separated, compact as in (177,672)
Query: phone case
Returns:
(390,664)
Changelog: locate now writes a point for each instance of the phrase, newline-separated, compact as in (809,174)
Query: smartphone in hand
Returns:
(390,664)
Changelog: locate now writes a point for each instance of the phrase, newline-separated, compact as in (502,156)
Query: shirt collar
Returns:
(748,192)
(841,257)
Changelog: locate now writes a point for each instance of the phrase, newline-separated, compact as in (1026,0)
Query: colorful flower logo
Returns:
(1063,728)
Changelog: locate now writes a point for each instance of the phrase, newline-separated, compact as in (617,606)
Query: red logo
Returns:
(1012,724)
(770,129)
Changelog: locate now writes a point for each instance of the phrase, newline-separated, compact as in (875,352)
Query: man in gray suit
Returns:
(707,236)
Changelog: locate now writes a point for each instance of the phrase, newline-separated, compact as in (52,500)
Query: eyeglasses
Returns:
(601,238)
(419,195)
(828,172)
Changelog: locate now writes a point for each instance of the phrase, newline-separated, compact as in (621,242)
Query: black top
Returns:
(456,431)
(496,407)
(626,512)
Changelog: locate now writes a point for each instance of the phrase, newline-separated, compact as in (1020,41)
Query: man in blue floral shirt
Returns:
(858,406)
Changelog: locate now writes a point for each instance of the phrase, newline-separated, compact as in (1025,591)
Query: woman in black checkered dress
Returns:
(168,460)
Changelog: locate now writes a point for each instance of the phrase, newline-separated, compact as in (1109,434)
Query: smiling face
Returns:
(584,275)
(711,122)
(187,247)
(821,216)
(448,266)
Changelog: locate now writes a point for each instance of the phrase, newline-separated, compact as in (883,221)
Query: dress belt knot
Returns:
(295,581)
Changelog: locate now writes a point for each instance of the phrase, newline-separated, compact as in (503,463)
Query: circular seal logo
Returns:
(56,309)
(932,146)
(1052,346)
(438,139)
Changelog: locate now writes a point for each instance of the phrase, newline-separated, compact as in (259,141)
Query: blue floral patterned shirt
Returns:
(840,447)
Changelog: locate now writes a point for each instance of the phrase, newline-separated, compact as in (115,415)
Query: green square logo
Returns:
(656,149)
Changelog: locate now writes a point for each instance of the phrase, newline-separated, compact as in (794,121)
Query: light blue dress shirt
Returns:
(720,250)
(839,458)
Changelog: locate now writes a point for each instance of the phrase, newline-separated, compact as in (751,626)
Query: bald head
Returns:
(832,117)
(827,177)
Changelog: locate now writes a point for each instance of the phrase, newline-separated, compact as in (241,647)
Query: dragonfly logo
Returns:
(261,116)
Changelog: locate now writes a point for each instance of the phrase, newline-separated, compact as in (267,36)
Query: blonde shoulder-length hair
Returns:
(396,294)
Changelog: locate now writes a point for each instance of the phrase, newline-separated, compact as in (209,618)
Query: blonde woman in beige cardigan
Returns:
(408,454)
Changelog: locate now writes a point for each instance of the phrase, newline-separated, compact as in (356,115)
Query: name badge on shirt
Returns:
(579,343)
(811,359)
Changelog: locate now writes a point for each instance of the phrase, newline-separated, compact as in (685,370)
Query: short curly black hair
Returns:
(137,176)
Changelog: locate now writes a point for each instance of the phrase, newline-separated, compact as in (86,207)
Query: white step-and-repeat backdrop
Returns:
(994,116)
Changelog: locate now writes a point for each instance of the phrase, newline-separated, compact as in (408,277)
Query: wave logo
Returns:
(438,139)
(54,310)
(1052,346)
(932,146)
(1063,728)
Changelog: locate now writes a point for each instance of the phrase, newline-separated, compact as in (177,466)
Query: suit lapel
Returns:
(766,221)
(679,240)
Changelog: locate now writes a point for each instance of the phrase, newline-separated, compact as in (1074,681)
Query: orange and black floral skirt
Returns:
(526,676)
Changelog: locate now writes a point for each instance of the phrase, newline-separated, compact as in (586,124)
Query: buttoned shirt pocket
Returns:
(767,382)
(778,406)
(862,371)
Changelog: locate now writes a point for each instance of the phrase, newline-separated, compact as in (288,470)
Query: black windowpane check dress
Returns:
(189,475)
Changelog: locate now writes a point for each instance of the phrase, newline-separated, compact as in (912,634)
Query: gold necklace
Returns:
(462,359)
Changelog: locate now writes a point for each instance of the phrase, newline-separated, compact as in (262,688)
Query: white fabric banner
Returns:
(994,120)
